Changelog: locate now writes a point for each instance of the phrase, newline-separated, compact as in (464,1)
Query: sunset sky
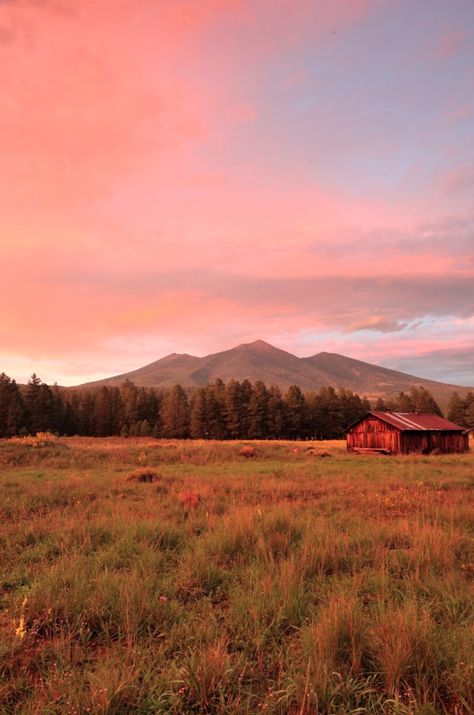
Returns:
(187,175)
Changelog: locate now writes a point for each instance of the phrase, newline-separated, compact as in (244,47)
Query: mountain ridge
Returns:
(260,360)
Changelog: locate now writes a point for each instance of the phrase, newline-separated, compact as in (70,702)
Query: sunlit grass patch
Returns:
(292,585)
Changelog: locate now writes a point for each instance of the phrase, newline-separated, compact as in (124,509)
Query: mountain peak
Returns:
(170,357)
(258,346)
(176,356)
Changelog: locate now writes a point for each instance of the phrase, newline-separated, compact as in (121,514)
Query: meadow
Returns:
(153,576)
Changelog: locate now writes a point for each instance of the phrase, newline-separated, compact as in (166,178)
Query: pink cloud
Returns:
(449,44)
(72,127)
(458,179)
(458,113)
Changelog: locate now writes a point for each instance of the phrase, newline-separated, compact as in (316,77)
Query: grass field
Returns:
(297,585)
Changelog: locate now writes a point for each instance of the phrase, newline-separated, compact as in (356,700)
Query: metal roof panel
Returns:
(417,421)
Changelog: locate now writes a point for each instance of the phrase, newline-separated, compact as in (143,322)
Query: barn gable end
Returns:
(372,433)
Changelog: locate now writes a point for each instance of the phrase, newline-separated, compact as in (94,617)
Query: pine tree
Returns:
(32,404)
(116,410)
(11,407)
(102,416)
(58,411)
(351,408)
(15,417)
(295,404)
(153,408)
(46,409)
(156,418)
(175,413)
(134,429)
(317,415)
(85,414)
(215,410)
(142,404)
(276,413)
(404,403)
(423,401)
(469,419)
(456,410)
(129,396)
(246,390)
(71,413)
(145,429)
(258,411)
(234,409)
(198,415)
(331,412)
(39,404)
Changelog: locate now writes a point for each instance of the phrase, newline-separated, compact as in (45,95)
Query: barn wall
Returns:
(373,433)
(415,442)
(425,442)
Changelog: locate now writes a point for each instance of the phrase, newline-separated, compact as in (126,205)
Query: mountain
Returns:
(261,361)
(373,380)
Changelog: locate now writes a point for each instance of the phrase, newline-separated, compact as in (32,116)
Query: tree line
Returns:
(461,411)
(232,410)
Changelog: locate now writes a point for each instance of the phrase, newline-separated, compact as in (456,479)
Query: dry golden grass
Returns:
(291,585)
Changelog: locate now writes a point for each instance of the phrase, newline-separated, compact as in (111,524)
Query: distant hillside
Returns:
(261,361)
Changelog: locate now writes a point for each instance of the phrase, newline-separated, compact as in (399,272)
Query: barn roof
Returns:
(413,421)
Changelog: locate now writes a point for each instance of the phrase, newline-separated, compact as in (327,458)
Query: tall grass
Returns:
(294,586)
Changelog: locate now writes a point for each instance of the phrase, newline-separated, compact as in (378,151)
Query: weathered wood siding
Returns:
(372,433)
(425,442)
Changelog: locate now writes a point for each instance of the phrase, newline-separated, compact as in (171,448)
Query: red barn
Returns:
(405,433)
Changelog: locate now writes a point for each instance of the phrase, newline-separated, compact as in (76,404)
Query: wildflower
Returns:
(20,631)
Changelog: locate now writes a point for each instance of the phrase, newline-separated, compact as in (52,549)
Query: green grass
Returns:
(299,585)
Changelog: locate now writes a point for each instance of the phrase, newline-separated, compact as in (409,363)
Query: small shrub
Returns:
(189,499)
(312,452)
(143,476)
(40,439)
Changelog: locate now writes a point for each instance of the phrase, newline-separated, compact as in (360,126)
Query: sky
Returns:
(188,175)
